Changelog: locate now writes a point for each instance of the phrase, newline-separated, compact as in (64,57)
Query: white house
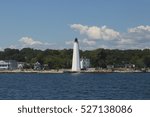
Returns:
(20,65)
(8,65)
(85,63)
(4,65)
(37,66)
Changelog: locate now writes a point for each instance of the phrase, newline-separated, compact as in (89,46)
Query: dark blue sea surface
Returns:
(75,86)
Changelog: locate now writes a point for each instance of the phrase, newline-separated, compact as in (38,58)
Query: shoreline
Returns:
(69,71)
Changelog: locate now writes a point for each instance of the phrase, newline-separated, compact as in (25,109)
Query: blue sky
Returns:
(41,24)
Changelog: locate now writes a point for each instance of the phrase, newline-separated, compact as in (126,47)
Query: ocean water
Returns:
(76,86)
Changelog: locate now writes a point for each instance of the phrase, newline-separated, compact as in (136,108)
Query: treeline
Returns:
(57,59)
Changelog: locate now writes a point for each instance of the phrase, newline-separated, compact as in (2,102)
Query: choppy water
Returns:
(75,86)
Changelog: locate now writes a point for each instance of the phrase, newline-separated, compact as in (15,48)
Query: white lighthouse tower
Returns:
(76,57)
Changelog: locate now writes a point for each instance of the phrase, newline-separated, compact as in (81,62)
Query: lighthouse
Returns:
(76,57)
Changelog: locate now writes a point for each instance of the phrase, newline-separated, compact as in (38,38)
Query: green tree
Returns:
(101,58)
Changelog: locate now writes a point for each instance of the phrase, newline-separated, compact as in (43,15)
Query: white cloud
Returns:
(69,42)
(82,43)
(29,41)
(32,43)
(13,47)
(89,42)
(139,29)
(95,32)
(135,38)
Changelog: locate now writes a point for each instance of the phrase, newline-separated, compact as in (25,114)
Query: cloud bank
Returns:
(32,43)
(29,41)
(95,32)
(135,38)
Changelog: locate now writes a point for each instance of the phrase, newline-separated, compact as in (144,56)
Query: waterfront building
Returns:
(8,64)
(21,65)
(4,65)
(76,57)
(85,63)
(13,64)
(37,66)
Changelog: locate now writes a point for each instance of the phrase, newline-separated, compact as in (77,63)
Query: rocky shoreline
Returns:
(69,71)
